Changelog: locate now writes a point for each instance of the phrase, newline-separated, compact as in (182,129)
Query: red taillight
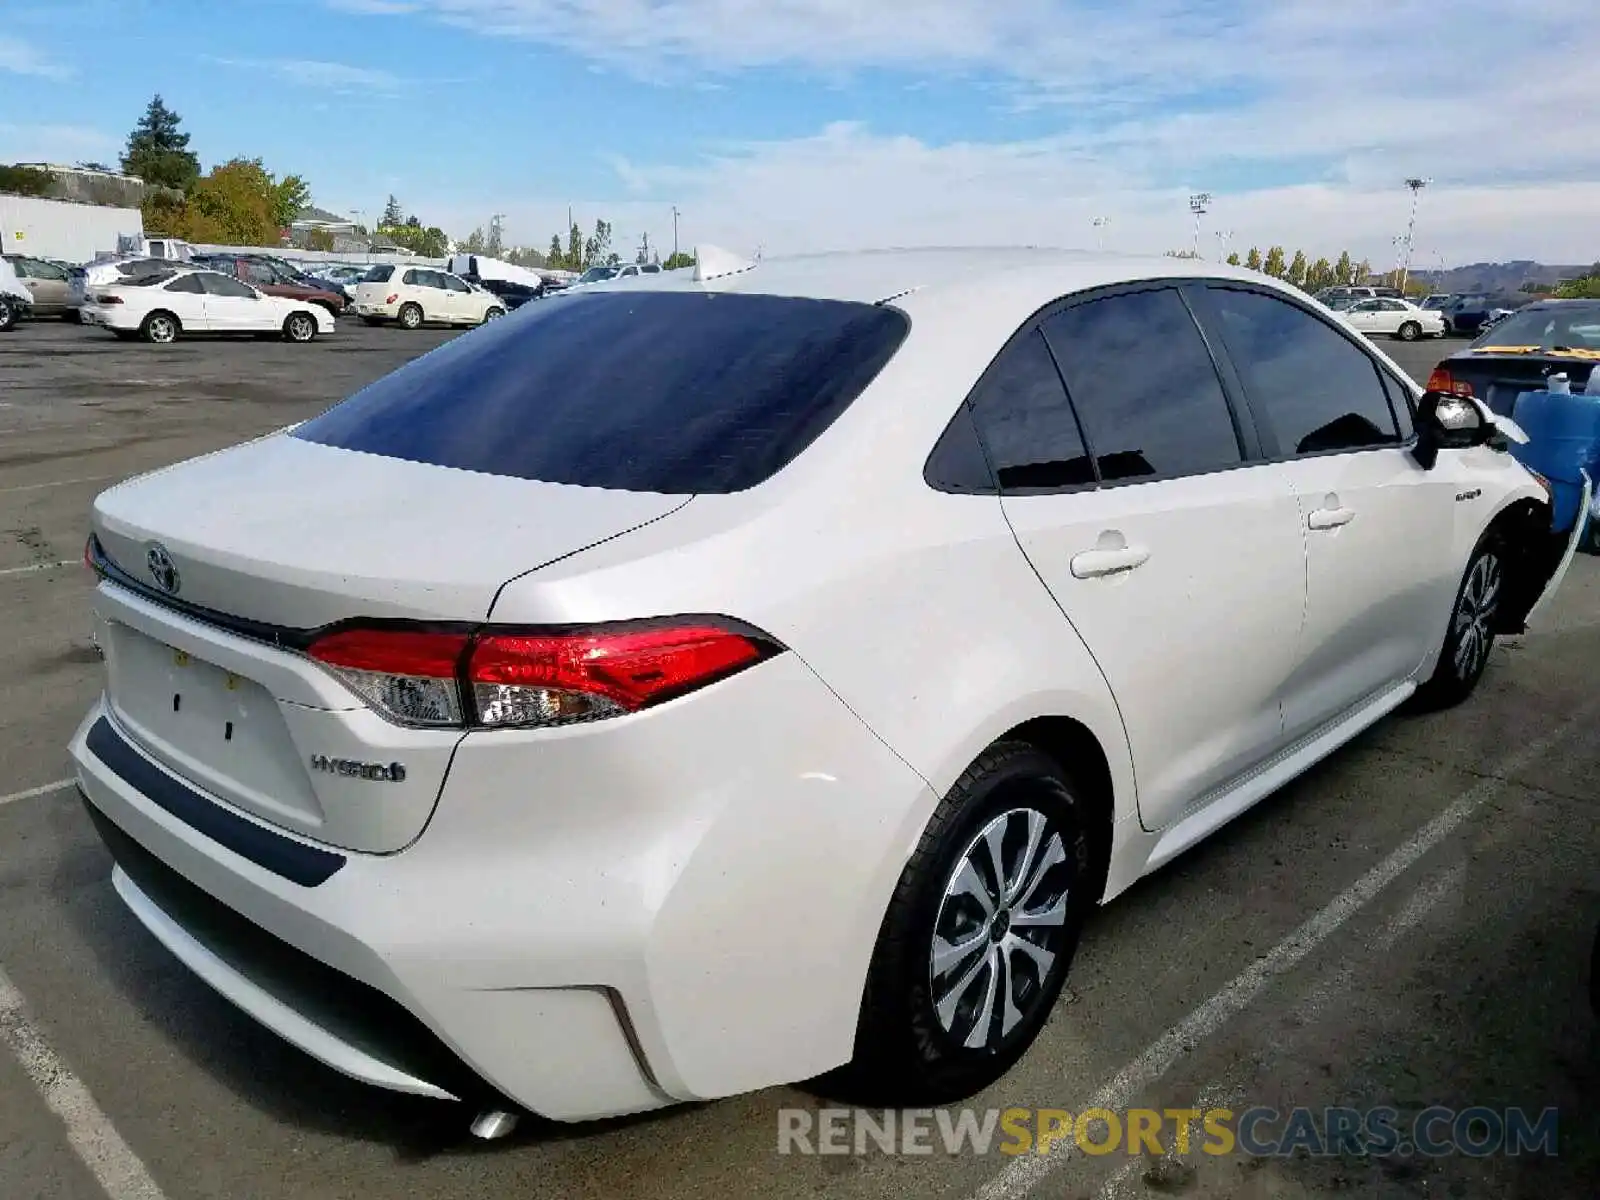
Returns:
(542,679)
(109,299)
(1442,381)
(407,675)
(392,297)
(505,679)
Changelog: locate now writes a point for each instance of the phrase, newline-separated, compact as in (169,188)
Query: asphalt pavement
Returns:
(1407,926)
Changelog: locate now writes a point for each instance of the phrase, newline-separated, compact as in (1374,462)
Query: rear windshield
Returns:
(639,391)
(1564,326)
(378,274)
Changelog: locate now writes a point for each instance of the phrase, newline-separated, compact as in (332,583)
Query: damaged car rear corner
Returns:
(505,735)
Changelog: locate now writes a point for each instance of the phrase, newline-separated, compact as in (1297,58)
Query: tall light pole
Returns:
(1100,224)
(675,215)
(1416,184)
(1198,204)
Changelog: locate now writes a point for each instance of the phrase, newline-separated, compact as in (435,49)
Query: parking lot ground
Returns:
(1407,925)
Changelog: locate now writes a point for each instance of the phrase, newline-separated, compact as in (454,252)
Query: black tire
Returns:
(299,327)
(910,1049)
(8,315)
(1409,331)
(1469,638)
(161,327)
(493,314)
(410,316)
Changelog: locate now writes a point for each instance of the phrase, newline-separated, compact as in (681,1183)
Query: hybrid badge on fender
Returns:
(390,773)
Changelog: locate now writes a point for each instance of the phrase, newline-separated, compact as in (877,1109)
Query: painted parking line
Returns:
(44,789)
(37,487)
(1023,1174)
(89,1131)
(1439,890)
(49,566)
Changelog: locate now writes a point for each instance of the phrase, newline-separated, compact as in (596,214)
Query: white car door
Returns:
(1379,531)
(186,297)
(1367,316)
(465,305)
(1178,562)
(235,307)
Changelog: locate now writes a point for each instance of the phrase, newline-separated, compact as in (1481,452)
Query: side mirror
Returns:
(1448,422)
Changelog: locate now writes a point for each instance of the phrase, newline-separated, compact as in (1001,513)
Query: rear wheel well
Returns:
(1079,754)
(1532,552)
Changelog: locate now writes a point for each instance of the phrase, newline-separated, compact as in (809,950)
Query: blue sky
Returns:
(807,124)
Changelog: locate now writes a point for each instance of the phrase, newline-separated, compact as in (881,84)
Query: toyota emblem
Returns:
(162,570)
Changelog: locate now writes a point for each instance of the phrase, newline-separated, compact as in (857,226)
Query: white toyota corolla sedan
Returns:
(689,686)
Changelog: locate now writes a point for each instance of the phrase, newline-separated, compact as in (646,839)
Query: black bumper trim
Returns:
(305,865)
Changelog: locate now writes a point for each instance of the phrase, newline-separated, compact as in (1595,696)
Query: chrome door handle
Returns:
(1331,518)
(1092,564)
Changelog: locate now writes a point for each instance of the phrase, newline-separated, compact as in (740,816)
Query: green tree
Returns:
(574,255)
(432,242)
(1274,265)
(319,239)
(1362,273)
(241,198)
(597,246)
(158,151)
(289,195)
(1297,269)
(1344,268)
(1319,276)
(474,243)
(392,214)
(1253,259)
(1233,259)
(1585,287)
(681,259)
(553,256)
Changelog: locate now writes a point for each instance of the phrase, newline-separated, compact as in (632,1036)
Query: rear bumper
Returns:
(594,923)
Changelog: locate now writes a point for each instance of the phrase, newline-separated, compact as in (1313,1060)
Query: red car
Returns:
(276,280)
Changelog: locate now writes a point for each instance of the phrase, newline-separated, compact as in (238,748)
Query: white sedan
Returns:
(168,303)
(1396,318)
(702,684)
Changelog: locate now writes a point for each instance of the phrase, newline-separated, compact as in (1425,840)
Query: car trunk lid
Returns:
(218,571)
(1498,376)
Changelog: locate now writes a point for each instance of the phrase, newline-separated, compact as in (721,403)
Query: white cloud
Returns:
(318,73)
(848,188)
(21,58)
(1301,116)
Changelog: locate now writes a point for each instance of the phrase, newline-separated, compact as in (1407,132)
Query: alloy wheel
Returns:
(1000,928)
(1474,619)
(162,329)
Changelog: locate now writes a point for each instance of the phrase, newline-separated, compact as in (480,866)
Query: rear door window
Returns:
(186,283)
(225,285)
(378,274)
(647,391)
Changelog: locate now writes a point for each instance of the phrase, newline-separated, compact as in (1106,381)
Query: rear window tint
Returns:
(642,391)
(378,274)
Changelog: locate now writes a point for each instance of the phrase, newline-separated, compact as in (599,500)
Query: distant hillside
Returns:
(1497,278)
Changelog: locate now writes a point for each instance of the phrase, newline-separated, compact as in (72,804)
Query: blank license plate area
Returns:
(220,730)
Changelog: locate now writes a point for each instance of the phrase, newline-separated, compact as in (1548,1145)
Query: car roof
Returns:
(1028,275)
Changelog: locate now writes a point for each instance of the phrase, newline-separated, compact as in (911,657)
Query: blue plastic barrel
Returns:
(1563,441)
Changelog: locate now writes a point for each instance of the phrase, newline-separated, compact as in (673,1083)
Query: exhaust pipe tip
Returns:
(493,1123)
